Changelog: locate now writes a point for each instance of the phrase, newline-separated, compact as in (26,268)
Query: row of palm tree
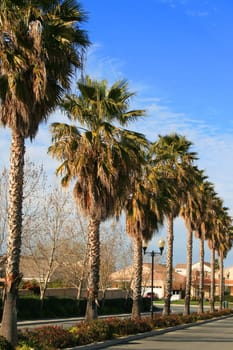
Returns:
(118,171)
(193,198)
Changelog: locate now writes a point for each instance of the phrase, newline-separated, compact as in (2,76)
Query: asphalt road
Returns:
(70,321)
(212,335)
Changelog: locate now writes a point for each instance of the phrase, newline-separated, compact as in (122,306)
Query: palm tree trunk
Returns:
(201,277)
(93,269)
(212,280)
(221,281)
(137,281)
(169,266)
(189,268)
(13,277)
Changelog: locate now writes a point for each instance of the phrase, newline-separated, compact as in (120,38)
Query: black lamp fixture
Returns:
(161,245)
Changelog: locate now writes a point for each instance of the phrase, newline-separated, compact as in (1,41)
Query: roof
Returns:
(184,265)
(160,274)
(180,266)
(31,269)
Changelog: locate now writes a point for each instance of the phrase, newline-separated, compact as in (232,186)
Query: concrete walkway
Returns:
(214,334)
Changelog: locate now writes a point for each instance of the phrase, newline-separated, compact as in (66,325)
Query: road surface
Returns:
(213,335)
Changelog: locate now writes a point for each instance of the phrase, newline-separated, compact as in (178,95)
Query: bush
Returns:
(51,338)
(30,308)
(100,330)
(89,332)
(47,338)
(4,344)
(115,306)
(127,326)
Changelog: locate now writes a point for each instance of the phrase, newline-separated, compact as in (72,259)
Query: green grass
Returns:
(192,302)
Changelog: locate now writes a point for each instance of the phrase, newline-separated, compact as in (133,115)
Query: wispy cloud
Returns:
(191,8)
(197,13)
(103,67)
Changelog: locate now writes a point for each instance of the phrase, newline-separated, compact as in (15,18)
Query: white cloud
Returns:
(103,67)
(197,13)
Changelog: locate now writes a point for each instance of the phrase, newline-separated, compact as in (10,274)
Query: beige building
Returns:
(124,279)
(228,279)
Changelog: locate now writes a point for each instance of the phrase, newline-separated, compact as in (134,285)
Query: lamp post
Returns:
(161,245)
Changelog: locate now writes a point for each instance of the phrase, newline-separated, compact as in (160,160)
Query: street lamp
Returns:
(161,245)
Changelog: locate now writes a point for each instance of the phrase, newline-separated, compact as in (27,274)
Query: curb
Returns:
(126,339)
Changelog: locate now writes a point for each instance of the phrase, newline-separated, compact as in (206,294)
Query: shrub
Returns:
(115,306)
(4,344)
(100,330)
(51,338)
(30,308)
(47,338)
(89,332)
(127,326)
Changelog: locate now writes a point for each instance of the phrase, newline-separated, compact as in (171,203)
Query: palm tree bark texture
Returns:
(201,277)
(169,265)
(212,278)
(189,268)
(93,269)
(13,277)
(137,277)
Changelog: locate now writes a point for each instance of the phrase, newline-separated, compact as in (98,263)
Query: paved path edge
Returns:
(126,339)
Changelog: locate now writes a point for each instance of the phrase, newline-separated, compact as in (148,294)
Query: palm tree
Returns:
(216,239)
(189,211)
(211,244)
(224,244)
(204,230)
(203,213)
(172,160)
(100,157)
(40,45)
(143,217)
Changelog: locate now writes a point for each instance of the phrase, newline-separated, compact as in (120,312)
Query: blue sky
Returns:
(177,56)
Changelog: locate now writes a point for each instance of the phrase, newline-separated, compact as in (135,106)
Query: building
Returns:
(124,279)
(228,279)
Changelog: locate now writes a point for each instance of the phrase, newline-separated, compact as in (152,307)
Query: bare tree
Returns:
(72,255)
(55,234)
(50,233)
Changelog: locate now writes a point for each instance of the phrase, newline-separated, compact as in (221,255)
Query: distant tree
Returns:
(224,245)
(50,235)
(172,158)
(204,211)
(34,185)
(189,212)
(219,233)
(112,250)
(72,254)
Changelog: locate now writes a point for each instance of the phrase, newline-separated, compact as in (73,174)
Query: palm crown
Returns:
(40,45)
(100,155)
